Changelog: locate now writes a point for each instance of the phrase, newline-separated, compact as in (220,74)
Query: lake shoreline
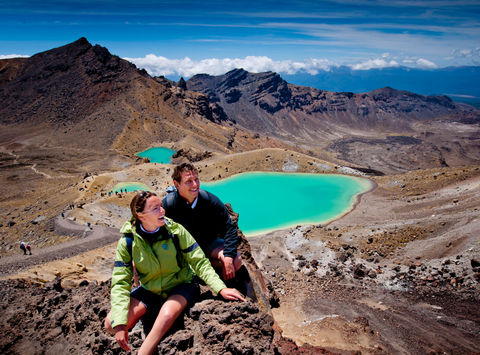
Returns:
(372,185)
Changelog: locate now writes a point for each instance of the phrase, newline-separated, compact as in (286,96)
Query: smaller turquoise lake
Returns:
(270,201)
(129,186)
(159,155)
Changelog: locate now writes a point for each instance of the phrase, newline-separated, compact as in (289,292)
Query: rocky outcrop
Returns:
(39,319)
(189,155)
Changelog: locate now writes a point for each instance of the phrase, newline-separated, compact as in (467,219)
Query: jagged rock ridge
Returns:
(266,101)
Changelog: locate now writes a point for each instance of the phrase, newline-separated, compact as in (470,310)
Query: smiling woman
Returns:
(166,259)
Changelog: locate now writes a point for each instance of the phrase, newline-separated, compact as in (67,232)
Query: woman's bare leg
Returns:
(170,311)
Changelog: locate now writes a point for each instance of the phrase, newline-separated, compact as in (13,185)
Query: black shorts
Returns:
(152,301)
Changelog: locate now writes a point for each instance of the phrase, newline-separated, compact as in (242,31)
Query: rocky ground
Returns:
(48,319)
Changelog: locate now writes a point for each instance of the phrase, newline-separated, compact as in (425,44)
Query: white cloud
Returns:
(421,63)
(374,64)
(466,53)
(9,56)
(425,64)
(468,56)
(186,67)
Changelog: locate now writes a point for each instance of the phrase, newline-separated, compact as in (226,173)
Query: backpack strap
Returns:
(129,240)
(176,242)
(203,193)
(170,200)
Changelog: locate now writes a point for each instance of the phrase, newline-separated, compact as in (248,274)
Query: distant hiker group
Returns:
(26,248)
(169,245)
(117,192)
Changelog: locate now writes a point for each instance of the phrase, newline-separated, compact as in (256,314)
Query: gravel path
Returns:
(85,239)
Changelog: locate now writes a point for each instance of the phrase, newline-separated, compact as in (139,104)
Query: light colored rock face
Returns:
(290,167)
(324,167)
(350,171)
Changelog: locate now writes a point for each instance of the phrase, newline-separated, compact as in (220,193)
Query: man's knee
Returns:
(237,262)
(216,258)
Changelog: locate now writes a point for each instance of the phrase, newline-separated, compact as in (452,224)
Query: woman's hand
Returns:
(121,336)
(231,294)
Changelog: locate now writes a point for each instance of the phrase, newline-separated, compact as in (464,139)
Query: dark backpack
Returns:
(170,198)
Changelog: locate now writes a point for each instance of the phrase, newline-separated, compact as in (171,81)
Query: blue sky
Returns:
(186,37)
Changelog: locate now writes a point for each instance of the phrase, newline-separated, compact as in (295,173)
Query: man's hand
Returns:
(231,294)
(121,336)
(228,270)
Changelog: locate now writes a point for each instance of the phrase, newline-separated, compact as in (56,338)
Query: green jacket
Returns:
(157,267)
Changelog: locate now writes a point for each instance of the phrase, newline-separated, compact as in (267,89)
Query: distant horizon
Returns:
(189,37)
(186,68)
(343,78)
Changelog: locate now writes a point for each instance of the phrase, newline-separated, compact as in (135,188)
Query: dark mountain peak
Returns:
(232,79)
(236,72)
(61,77)
(389,94)
(182,84)
(201,76)
(81,52)
(79,43)
(81,40)
(267,90)
(73,50)
(266,102)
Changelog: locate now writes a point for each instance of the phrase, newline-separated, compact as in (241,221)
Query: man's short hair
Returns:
(179,169)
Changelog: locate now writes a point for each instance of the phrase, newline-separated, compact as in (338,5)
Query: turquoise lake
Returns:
(270,201)
(159,155)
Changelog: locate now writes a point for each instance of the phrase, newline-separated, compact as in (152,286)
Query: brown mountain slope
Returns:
(85,97)
(358,127)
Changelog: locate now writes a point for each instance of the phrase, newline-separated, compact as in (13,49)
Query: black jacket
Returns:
(206,222)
